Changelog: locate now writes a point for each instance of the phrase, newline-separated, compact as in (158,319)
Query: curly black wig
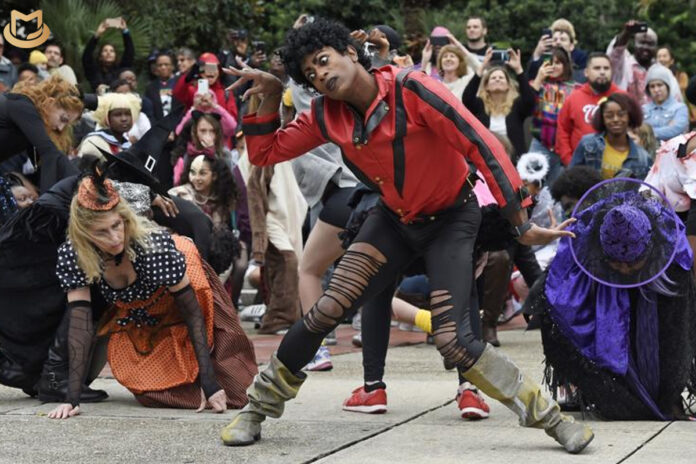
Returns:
(574,182)
(224,187)
(312,37)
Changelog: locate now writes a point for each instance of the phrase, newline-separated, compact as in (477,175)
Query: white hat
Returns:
(533,167)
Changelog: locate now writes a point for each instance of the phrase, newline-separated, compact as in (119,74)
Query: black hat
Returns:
(392,36)
(141,158)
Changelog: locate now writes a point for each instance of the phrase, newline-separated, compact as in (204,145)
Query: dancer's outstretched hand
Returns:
(217,402)
(64,411)
(263,82)
(541,236)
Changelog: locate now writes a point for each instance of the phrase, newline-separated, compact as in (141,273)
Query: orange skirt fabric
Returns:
(153,350)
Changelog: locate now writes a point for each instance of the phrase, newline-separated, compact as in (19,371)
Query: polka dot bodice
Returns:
(158,265)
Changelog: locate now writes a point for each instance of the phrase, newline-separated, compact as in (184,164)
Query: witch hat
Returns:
(136,164)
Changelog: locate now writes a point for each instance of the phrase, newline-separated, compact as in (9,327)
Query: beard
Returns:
(600,87)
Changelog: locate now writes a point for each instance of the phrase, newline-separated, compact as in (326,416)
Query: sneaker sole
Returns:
(325,366)
(375,409)
(473,413)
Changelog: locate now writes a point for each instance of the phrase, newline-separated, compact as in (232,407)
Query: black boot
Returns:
(53,384)
(12,375)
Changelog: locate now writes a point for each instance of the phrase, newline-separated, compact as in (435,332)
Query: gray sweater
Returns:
(316,168)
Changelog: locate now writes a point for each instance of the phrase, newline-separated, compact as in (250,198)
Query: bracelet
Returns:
(520,230)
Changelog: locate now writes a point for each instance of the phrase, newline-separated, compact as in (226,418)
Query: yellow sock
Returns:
(423,321)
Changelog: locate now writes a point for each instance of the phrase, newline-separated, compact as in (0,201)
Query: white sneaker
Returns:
(357,340)
(252,313)
(321,361)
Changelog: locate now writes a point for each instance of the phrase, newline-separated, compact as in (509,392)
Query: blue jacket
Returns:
(590,151)
(668,120)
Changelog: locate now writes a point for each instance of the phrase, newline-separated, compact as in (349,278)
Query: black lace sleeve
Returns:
(80,338)
(191,311)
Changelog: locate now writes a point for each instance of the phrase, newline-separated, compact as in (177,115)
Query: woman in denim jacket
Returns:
(612,150)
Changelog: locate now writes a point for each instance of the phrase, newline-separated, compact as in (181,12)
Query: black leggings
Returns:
(376,329)
(382,250)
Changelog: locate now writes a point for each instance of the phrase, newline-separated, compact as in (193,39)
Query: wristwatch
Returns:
(520,230)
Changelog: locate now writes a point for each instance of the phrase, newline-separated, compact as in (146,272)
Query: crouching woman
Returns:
(174,339)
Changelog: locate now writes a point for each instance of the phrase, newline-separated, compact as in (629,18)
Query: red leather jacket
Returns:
(412,146)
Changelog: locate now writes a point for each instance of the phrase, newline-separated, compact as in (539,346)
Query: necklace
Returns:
(117,259)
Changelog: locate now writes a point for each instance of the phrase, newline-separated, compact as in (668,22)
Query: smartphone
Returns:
(203,87)
(113,22)
(439,41)
(546,57)
(500,55)
(639,27)
(370,48)
(259,46)
(209,68)
(546,32)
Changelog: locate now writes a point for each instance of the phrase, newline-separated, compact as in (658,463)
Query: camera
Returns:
(439,41)
(638,27)
(90,101)
(500,56)
(370,48)
(259,46)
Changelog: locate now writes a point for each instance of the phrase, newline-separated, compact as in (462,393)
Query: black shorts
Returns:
(336,211)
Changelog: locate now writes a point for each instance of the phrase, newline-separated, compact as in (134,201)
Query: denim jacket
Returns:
(590,151)
(668,120)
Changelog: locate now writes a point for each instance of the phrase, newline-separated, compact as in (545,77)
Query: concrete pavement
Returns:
(422,425)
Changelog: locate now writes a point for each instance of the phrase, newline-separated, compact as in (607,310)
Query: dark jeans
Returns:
(446,244)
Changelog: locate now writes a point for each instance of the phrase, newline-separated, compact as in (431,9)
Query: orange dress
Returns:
(150,351)
(161,356)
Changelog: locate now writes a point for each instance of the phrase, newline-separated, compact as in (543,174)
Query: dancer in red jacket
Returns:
(411,140)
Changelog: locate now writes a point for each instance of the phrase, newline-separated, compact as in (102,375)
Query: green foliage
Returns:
(203,24)
(74,21)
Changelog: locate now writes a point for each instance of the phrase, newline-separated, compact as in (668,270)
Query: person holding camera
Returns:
(630,69)
(439,37)
(498,100)
(553,83)
(104,69)
(560,34)
(205,76)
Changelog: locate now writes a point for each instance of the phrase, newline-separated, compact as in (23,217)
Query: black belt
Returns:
(465,194)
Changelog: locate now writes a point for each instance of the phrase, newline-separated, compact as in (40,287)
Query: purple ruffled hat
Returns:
(624,221)
(625,234)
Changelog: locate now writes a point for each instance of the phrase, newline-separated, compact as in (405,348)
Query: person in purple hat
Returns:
(618,314)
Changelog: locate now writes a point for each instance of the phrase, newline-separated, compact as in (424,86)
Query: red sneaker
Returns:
(374,402)
(472,405)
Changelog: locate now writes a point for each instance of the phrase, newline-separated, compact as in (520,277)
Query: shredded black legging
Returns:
(382,249)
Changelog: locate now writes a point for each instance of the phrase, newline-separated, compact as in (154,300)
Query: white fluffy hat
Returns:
(533,167)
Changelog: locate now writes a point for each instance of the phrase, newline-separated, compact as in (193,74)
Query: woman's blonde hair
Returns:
(461,69)
(137,232)
(494,108)
(62,93)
